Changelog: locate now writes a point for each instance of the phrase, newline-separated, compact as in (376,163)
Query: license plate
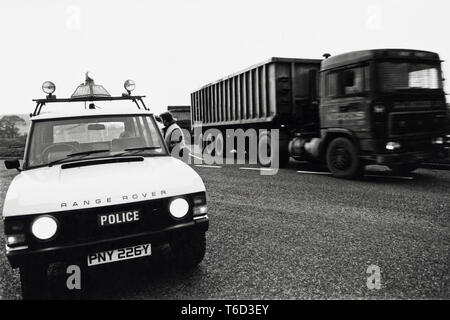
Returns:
(121,217)
(119,254)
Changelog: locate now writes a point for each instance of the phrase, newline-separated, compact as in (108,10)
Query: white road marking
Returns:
(367,175)
(257,169)
(315,172)
(208,166)
(389,177)
(194,156)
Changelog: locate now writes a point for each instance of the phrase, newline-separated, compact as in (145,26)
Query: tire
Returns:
(189,249)
(34,281)
(342,159)
(283,152)
(404,168)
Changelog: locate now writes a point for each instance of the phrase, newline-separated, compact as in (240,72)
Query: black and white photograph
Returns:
(225,155)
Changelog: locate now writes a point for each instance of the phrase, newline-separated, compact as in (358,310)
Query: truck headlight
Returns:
(179,208)
(44,227)
(379,108)
(439,140)
(393,145)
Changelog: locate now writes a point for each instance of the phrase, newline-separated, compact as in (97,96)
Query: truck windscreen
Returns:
(393,76)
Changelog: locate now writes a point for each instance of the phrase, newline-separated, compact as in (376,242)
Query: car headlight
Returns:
(44,227)
(179,208)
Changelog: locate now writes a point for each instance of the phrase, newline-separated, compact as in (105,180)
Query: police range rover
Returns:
(98,185)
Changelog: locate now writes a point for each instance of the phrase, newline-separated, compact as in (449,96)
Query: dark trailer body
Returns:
(276,92)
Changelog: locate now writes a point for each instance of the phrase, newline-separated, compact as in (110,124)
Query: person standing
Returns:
(173,135)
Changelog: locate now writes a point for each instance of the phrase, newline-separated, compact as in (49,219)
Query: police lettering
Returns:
(120,217)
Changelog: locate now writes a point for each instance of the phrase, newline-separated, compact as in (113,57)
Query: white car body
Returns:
(52,189)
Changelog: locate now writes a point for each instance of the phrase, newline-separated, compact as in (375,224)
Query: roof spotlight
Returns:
(129,85)
(48,87)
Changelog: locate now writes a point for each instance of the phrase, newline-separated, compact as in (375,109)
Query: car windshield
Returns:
(55,141)
(395,76)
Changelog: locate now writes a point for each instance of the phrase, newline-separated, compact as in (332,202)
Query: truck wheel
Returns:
(34,281)
(189,249)
(264,143)
(404,168)
(342,159)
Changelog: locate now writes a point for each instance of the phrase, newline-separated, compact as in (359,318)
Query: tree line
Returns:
(9,126)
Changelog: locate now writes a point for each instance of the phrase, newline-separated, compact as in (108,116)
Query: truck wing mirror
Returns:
(13,164)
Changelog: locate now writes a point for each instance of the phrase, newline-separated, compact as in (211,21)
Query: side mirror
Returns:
(13,164)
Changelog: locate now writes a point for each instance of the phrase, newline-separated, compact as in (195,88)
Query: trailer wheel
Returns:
(264,143)
(34,281)
(342,159)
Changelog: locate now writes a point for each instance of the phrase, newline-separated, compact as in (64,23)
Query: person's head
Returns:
(167,118)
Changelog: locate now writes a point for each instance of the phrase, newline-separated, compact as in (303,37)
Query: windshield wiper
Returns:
(72,155)
(127,151)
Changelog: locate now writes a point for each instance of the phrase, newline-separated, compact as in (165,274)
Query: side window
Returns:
(346,82)
(353,81)
(150,133)
(332,84)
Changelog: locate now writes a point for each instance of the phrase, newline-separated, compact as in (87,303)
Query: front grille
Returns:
(401,124)
(81,226)
(417,145)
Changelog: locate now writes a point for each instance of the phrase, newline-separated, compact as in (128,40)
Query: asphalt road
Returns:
(297,236)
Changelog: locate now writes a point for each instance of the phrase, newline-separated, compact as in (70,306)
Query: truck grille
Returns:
(402,124)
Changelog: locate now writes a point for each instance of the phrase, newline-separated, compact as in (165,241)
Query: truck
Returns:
(97,186)
(380,106)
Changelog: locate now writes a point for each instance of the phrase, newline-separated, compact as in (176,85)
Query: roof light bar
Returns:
(88,92)
(90,89)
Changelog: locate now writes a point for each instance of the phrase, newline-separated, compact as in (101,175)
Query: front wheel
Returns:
(188,248)
(342,159)
(34,281)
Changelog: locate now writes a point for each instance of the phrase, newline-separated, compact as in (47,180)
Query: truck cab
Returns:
(384,106)
(98,185)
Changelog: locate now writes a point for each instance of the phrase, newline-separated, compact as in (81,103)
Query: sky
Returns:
(170,48)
